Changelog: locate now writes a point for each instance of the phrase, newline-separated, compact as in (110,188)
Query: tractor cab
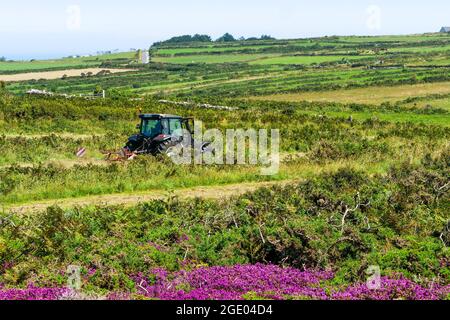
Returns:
(158,132)
(154,125)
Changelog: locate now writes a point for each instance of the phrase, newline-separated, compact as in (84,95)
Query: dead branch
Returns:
(7,219)
(261,234)
(352,210)
(440,190)
(445,233)
(442,239)
(443,187)
(140,286)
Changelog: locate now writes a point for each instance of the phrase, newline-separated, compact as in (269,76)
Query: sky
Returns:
(56,28)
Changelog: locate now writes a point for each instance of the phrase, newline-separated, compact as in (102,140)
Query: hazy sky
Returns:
(52,28)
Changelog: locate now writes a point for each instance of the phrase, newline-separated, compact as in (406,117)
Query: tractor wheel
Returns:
(168,148)
(131,147)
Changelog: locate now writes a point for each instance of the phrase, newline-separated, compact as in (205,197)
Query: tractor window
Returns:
(151,127)
(175,127)
(165,126)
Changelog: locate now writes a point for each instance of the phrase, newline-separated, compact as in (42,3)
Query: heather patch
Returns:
(245,282)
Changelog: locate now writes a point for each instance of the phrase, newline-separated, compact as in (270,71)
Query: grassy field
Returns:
(51,141)
(209,49)
(371,95)
(286,60)
(224,58)
(66,63)
(255,59)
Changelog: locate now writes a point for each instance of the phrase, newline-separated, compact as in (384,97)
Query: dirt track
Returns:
(215,192)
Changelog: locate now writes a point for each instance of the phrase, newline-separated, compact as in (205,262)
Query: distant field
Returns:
(222,58)
(209,49)
(265,68)
(442,103)
(370,95)
(21,66)
(262,59)
(305,59)
(422,49)
(49,75)
(395,38)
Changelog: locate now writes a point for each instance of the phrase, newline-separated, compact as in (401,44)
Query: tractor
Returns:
(158,134)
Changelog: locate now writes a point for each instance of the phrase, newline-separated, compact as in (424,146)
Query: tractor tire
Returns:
(132,146)
(167,147)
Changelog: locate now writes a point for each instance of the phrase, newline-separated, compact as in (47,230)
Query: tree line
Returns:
(227,37)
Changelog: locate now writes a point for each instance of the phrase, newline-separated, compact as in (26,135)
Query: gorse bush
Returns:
(33,108)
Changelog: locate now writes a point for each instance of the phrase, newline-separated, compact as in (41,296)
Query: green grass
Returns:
(223,58)
(293,60)
(422,49)
(396,38)
(325,142)
(419,119)
(36,65)
(435,103)
(208,49)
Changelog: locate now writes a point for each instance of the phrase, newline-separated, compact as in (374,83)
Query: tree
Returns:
(2,59)
(201,38)
(267,37)
(185,39)
(226,38)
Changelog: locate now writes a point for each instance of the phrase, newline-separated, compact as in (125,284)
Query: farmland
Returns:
(61,64)
(49,75)
(363,180)
(371,95)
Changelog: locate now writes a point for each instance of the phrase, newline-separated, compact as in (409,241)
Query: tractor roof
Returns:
(159,116)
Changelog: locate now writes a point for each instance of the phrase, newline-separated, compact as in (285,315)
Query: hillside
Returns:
(363,181)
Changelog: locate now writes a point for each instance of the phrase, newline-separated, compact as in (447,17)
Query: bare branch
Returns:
(442,239)
(444,186)
(349,210)
(261,234)
(140,286)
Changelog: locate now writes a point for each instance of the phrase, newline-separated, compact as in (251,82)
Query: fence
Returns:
(101,95)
